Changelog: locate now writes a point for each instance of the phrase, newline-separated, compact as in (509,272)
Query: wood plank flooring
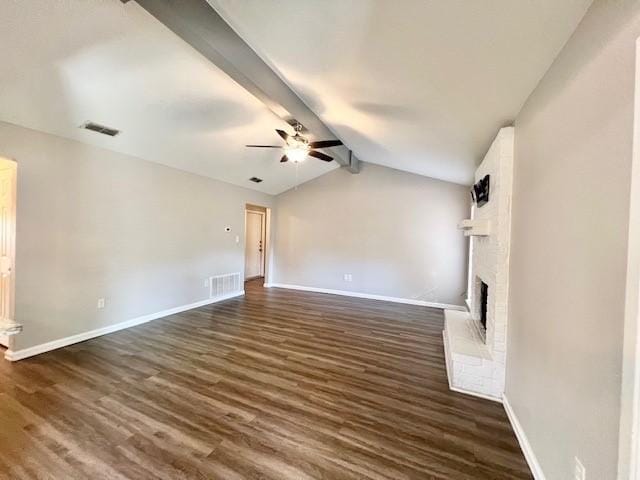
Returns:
(276,385)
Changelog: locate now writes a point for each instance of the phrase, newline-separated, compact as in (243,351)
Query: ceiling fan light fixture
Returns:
(298,147)
(297,152)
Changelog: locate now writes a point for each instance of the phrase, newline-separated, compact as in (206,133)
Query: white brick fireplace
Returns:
(476,357)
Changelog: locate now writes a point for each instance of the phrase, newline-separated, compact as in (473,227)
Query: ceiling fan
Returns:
(297,147)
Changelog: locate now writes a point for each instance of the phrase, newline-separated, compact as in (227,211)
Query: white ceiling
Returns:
(418,85)
(67,62)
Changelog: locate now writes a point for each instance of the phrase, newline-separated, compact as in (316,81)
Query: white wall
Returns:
(569,246)
(629,456)
(395,232)
(93,223)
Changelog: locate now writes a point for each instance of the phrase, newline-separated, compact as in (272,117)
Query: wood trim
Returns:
(15,355)
(370,296)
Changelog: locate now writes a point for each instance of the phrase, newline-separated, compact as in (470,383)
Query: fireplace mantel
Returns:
(471,227)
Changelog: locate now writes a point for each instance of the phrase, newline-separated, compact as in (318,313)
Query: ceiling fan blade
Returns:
(284,135)
(284,159)
(320,155)
(264,146)
(325,143)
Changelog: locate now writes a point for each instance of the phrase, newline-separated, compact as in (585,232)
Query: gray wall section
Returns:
(94,223)
(569,246)
(395,232)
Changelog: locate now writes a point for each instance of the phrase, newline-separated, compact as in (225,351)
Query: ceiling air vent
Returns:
(255,179)
(96,127)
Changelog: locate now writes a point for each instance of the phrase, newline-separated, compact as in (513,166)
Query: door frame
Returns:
(629,444)
(262,241)
(13,165)
(266,236)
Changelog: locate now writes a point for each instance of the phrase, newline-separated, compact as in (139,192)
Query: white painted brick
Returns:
(499,357)
(470,361)
(490,263)
(470,381)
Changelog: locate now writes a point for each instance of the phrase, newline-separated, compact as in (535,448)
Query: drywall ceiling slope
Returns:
(65,63)
(421,86)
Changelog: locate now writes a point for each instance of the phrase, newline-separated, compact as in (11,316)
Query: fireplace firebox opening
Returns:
(484,296)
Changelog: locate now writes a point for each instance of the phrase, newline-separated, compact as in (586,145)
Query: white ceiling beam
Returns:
(198,24)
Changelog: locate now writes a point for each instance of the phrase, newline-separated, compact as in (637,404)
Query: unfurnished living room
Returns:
(320,239)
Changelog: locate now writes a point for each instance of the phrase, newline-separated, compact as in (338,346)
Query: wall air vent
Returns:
(96,127)
(255,179)
(225,286)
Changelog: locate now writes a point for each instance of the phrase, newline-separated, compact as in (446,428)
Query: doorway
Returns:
(8,171)
(255,244)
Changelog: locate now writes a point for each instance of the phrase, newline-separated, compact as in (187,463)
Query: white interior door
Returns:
(254,247)
(7,242)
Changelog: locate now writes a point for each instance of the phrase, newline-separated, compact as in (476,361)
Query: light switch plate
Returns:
(100,303)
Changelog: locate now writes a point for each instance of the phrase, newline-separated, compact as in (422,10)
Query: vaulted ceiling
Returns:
(421,88)
(417,85)
(64,63)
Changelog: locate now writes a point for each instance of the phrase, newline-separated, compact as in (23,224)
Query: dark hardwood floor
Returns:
(276,385)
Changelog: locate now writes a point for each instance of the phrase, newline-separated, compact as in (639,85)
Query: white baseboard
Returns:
(81,337)
(474,394)
(370,296)
(529,455)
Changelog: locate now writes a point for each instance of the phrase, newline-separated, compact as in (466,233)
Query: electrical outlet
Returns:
(100,303)
(580,472)
(348,277)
